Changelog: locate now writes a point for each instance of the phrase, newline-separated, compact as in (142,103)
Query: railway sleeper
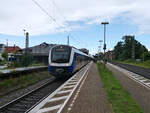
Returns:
(22,105)
(35,97)
(15,110)
(26,102)
(32,99)
(37,94)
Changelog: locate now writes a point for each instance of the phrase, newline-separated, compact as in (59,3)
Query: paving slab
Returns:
(90,97)
(140,93)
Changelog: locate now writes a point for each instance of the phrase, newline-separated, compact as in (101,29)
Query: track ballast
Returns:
(145,72)
(24,103)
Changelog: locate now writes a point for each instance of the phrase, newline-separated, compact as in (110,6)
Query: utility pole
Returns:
(7,42)
(143,52)
(27,41)
(68,40)
(104,23)
(133,48)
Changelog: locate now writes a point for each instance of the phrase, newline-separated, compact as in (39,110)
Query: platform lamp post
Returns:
(100,41)
(104,23)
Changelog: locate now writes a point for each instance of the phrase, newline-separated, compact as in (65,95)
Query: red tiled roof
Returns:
(12,49)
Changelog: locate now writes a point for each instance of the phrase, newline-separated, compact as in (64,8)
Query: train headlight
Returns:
(67,65)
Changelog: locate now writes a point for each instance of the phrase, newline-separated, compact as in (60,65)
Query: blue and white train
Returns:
(65,60)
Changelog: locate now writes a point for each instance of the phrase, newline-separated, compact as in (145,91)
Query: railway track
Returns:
(24,103)
(135,69)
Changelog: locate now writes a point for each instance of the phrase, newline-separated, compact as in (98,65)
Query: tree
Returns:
(5,55)
(146,56)
(127,47)
(118,50)
(123,50)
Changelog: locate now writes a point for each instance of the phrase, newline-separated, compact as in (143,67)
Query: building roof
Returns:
(41,49)
(12,49)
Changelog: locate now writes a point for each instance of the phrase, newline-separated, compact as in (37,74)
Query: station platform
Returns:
(139,91)
(82,93)
(6,71)
(90,97)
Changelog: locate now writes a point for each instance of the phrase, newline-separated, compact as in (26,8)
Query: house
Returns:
(12,49)
(110,55)
(41,49)
(39,52)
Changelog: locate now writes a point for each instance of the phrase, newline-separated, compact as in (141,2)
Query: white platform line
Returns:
(58,98)
(71,86)
(71,83)
(147,83)
(143,81)
(137,77)
(66,91)
(49,109)
(60,110)
(141,78)
(73,80)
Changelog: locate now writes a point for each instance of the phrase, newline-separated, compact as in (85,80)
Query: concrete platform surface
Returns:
(90,97)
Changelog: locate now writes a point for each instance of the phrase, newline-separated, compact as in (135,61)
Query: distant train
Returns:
(65,60)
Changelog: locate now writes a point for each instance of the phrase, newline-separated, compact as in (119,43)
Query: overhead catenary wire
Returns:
(43,10)
(53,19)
(53,2)
(71,34)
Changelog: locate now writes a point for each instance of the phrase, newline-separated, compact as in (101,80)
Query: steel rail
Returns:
(26,101)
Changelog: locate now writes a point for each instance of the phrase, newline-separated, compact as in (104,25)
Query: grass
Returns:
(119,98)
(2,63)
(145,64)
(37,64)
(11,84)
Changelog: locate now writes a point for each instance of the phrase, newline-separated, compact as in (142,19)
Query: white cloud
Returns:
(25,14)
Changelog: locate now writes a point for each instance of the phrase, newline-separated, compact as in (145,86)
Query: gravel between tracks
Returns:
(15,94)
(140,93)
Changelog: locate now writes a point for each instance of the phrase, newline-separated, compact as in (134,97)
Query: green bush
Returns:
(26,60)
(2,62)
(147,56)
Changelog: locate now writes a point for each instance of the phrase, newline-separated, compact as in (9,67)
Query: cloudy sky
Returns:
(52,21)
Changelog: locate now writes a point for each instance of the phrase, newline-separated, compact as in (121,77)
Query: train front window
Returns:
(60,54)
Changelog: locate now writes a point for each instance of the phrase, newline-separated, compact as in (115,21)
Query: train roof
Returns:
(79,52)
(76,50)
